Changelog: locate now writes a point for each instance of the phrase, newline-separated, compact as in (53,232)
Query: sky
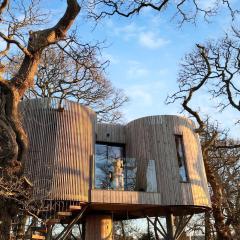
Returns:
(144,53)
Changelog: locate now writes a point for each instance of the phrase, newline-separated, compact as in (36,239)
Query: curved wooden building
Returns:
(61,148)
(151,166)
(165,153)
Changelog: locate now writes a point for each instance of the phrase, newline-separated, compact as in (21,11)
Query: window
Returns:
(181,158)
(109,173)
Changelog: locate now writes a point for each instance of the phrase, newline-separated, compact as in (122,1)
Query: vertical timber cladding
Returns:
(153,138)
(61,138)
(110,133)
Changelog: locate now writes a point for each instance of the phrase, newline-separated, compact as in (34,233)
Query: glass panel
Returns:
(151,177)
(115,152)
(102,167)
(114,172)
(181,158)
(109,173)
(130,171)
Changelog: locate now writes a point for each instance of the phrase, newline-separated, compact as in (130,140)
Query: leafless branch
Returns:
(3,6)
(18,44)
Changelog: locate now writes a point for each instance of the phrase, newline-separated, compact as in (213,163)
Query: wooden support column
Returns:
(170,227)
(99,227)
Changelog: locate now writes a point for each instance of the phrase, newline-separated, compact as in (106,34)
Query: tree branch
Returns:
(9,40)
(3,5)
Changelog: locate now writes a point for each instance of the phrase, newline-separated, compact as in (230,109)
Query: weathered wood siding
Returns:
(153,138)
(125,197)
(110,133)
(61,147)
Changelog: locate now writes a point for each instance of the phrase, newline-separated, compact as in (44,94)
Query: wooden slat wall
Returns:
(125,197)
(61,148)
(152,138)
(111,133)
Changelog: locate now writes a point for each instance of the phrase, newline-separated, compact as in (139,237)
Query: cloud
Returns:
(145,37)
(151,40)
(140,96)
(207,4)
(129,31)
(136,70)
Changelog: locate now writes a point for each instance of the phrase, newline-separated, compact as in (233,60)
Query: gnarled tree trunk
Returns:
(13,140)
(222,229)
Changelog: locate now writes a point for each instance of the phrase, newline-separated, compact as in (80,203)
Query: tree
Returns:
(72,70)
(13,140)
(126,230)
(224,159)
(215,67)
(185,10)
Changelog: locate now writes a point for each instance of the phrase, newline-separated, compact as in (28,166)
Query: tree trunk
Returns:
(223,230)
(7,212)
(13,140)
(5,225)
(21,227)
(208,228)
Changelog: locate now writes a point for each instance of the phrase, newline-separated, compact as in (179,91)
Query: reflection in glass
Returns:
(181,158)
(109,173)
(130,171)
(151,176)
(112,170)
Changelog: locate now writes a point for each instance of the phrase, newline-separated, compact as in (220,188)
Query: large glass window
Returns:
(109,172)
(181,158)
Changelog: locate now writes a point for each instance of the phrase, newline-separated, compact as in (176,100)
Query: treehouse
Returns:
(94,173)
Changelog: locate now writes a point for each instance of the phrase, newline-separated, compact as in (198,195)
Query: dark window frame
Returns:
(113,144)
(184,158)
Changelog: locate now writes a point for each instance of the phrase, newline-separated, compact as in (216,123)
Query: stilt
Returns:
(170,226)
(99,227)
(173,230)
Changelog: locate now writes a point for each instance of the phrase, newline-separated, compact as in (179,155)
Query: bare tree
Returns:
(224,159)
(184,10)
(13,141)
(74,72)
(216,67)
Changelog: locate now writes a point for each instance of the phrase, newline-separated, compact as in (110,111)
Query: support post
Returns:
(99,227)
(170,226)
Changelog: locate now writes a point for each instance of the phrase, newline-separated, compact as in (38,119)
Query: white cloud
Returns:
(136,70)
(129,31)
(146,38)
(152,40)
(139,95)
(207,4)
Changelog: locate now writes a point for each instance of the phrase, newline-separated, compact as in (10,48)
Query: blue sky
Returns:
(144,53)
